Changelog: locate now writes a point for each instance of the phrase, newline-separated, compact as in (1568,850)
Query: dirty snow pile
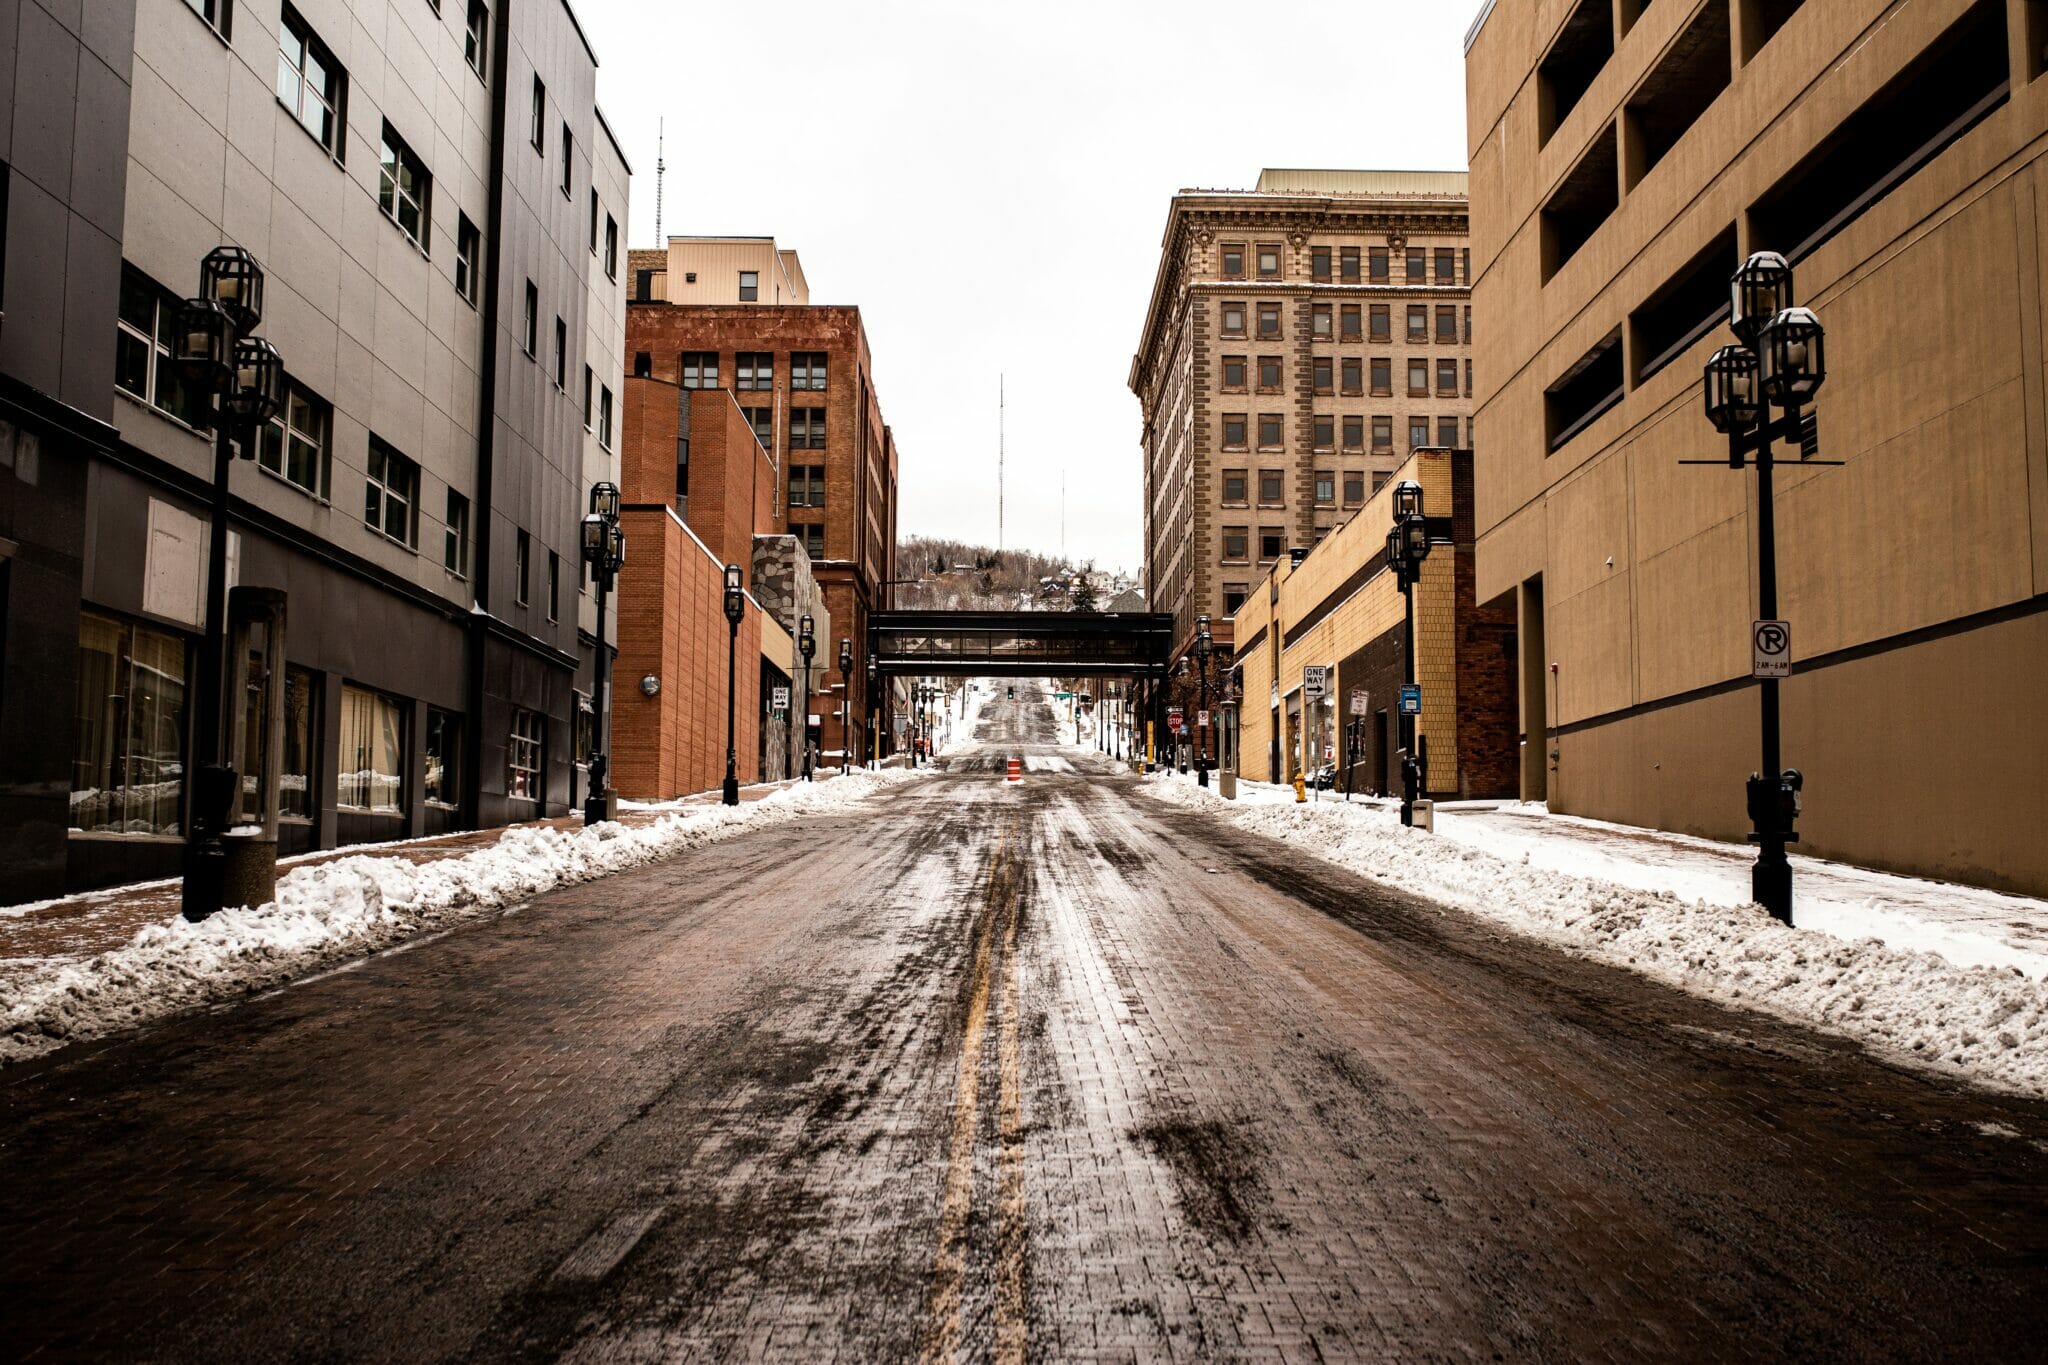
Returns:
(1985,1024)
(959,731)
(331,911)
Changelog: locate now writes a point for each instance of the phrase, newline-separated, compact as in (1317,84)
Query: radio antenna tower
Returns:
(999,466)
(660,170)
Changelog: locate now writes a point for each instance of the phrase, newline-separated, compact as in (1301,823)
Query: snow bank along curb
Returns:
(1987,1025)
(343,909)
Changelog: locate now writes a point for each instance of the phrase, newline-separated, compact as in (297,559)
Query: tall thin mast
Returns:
(660,172)
(999,465)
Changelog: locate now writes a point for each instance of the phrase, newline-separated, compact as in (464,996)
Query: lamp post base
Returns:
(602,806)
(206,858)
(1202,776)
(731,795)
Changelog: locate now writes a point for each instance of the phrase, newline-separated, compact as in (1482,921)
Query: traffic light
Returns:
(1010,693)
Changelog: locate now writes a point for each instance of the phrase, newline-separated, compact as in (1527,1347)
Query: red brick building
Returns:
(696,488)
(702,317)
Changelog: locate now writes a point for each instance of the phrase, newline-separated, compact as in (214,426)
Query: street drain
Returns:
(602,1251)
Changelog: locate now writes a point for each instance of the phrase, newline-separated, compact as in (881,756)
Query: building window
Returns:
(1347,264)
(391,495)
(142,352)
(530,336)
(1236,542)
(476,40)
(1354,487)
(1233,319)
(1418,379)
(1447,324)
(1324,431)
(1418,265)
(611,247)
(1233,374)
(468,257)
(806,428)
(604,417)
(310,82)
(700,369)
(561,355)
(1234,484)
(762,420)
(1418,322)
(590,390)
(525,751)
(1269,319)
(1354,432)
(1446,265)
(807,370)
(404,189)
(1353,375)
(1269,260)
(1382,433)
(750,286)
(1269,487)
(1382,322)
(537,126)
(807,485)
(1468,379)
(568,159)
(1321,370)
(455,536)
(1447,378)
(1348,323)
(1270,437)
(294,444)
(214,12)
(1272,543)
(1382,375)
(522,568)
(1418,433)
(814,539)
(442,777)
(1468,324)
(297,791)
(1233,430)
(1466,260)
(1319,320)
(554,586)
(754,370)
(1326,486)
(127,767)
(1447,432)
(1269,374)
(1319,263)
(1233,597)
(372,753)
(1233,260)
(1376,258)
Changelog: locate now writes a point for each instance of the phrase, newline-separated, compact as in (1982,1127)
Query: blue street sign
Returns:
(1411,699)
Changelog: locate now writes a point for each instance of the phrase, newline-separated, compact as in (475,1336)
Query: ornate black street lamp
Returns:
(874,728)
(1203,648)
(1781,363)
(604,550)
(807,645)
(216,354)
(845,707)
(1407,547)
(735,607)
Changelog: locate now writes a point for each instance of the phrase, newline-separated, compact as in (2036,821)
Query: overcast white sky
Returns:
(989,182)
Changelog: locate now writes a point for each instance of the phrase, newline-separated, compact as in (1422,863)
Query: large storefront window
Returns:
(444,758)
(128,765)
(524,754)
(372,776)
(297,793)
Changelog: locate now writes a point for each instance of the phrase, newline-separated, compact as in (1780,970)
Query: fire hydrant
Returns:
(1300,788)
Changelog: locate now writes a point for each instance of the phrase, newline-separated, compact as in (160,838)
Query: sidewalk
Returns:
(41,934)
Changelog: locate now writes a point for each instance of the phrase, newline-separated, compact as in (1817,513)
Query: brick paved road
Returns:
(1055,1073)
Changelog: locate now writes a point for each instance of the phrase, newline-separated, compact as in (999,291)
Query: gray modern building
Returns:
(437,205)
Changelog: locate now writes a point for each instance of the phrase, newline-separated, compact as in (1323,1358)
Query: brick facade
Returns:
(857,454)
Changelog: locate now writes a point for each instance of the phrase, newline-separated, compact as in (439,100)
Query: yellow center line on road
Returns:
(949,1271)
(1011,1223)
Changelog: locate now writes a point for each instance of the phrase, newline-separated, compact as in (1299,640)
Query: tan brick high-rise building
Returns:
(1302,339)
(734,314)
(1625,157)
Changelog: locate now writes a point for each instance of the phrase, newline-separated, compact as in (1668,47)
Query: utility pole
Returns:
(999,466)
